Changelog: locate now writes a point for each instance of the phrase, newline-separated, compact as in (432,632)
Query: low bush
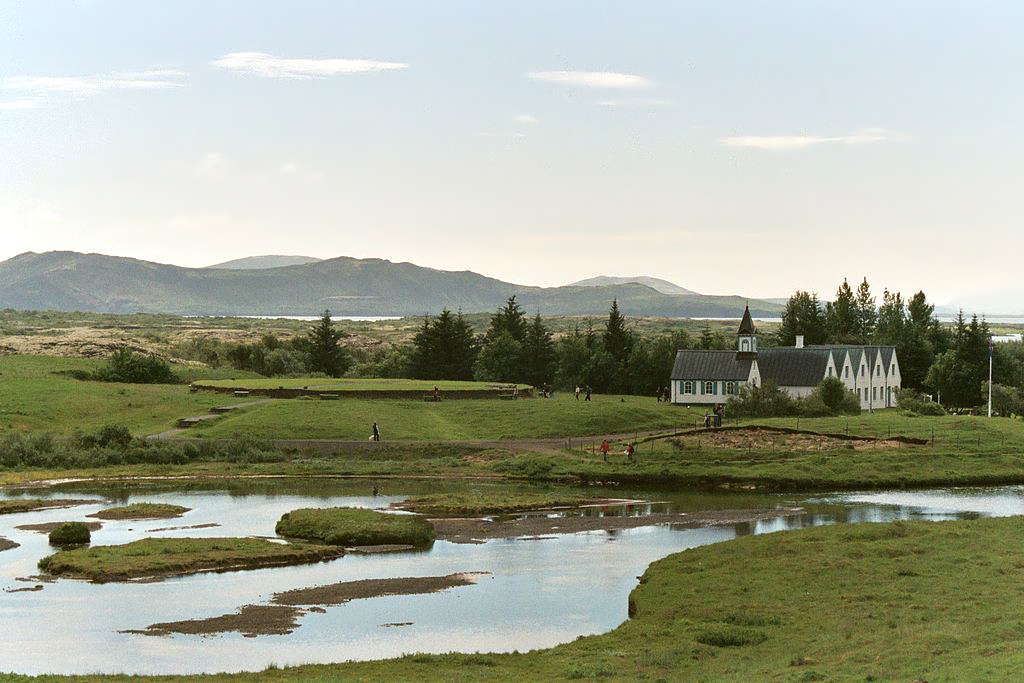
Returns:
(70,533)
(355,526)
(914,403)
(130,367)
(109,447)
(829,398)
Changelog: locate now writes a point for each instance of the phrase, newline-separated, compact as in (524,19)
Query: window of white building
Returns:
(710,388)
(687,387)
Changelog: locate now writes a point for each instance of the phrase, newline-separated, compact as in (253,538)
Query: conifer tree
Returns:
(618,341)
(803,315)
(538,354)
(841,316)
(324,350)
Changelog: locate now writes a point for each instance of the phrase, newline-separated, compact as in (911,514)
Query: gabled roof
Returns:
(747,323)
(711,365)
(790,367)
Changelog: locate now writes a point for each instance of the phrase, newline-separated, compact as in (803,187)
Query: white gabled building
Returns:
(709,377)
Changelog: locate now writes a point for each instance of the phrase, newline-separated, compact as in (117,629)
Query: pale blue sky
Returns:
(746,147)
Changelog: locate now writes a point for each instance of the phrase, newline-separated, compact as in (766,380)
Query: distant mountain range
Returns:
(657,284)
(72,281)
(258,262)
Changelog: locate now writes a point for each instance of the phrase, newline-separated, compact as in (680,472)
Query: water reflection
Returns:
(540,592)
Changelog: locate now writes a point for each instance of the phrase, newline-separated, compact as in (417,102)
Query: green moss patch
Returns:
(70,533)
(485,502)
(162,557)
(142,511)
(355,527)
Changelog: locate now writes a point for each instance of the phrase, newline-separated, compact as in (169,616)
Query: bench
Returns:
(241,392)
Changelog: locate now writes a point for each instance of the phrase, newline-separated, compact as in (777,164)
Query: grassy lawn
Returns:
(352,384)
(900,601)
(173,556)
(33,398)
(355,526)
(451,420)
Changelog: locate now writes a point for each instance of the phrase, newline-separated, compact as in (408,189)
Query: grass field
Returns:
(490,502)
(172,556)
(355,527)
(34,398)
(352,384)
(899,601)
(450,420)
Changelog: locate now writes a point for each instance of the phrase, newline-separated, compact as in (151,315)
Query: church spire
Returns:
(747,324)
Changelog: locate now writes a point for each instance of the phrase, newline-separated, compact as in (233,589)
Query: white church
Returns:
(709,377)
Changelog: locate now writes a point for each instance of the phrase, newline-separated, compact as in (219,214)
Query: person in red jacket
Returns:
(605,447)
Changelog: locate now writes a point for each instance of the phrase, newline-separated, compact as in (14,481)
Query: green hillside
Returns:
(71,281)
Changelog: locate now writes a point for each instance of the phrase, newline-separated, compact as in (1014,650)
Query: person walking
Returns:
(577,392)
(588,393)
(630,450)
(376,432)
(605,447)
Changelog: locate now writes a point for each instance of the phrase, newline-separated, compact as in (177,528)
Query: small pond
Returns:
(538,592)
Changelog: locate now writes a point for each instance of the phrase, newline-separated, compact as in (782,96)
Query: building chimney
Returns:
(799,341)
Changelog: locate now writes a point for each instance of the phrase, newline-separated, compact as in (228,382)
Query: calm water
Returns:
(540,592)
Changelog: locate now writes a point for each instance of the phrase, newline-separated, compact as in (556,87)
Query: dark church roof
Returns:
(789,367)
(747,324)
(711,365)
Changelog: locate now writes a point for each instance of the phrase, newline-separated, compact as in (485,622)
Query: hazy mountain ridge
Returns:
(72,281)
(655,283)
(265,261)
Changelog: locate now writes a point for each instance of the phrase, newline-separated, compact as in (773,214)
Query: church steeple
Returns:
(746,336)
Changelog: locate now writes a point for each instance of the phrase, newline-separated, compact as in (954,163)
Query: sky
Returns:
(746,148)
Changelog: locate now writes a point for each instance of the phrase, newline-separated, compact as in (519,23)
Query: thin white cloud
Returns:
(592,79)
(289,168)
(527,118)
(213,166)
(486,134)
(269,66)
(156,79)
(17,105)
(778,142)
(641,102)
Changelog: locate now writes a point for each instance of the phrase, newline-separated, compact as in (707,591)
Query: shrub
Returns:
(836,398)
(766,400)
(136,368)
(108,436)
(915,403)
(70,533)
(355,526)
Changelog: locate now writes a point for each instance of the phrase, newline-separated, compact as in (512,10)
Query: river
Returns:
(537,592)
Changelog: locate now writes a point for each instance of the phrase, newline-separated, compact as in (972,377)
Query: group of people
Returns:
(606,446)
(586,390)
(663,395)
(714,418)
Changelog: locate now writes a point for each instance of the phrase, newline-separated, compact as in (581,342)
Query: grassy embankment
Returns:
(968,450)
(353,384)
(174,556)
(411,420)
(34,397)
(355,527)
(13,505)
(903,601)
(142,511)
